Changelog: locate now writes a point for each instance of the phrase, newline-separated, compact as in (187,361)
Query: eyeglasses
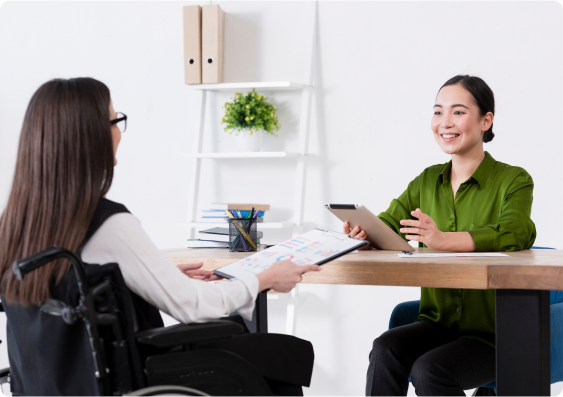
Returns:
(121,121)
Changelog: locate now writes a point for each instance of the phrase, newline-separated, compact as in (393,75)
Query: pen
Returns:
(241,230)
(236,240)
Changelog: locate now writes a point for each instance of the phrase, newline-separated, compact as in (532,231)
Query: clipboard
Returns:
(315,247)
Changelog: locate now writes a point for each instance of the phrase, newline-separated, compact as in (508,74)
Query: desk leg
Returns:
(522,343)
(259,322)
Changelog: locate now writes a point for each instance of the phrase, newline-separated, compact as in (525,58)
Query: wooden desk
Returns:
(522,282)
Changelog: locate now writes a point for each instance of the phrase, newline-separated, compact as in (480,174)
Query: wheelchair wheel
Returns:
(168,391)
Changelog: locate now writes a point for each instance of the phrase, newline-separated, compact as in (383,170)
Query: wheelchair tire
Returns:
(167,391)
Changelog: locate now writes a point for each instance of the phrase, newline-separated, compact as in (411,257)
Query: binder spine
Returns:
(192,44)
(212,38)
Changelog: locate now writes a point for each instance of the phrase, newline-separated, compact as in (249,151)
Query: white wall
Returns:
(380,66)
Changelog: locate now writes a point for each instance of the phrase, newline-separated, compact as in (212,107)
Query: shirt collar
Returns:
(480,175)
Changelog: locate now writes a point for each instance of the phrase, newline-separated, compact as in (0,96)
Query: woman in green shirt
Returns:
(472,203)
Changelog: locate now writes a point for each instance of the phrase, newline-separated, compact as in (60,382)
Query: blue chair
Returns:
(407,313)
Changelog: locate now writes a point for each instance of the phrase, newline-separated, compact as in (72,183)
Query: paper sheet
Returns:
(312,247)
(451,254)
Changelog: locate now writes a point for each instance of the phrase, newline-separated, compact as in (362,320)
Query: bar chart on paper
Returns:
(314,247)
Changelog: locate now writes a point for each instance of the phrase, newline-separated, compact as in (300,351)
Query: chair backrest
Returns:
(554,296)
(94,355)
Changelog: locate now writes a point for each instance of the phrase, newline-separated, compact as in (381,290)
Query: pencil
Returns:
(241,230)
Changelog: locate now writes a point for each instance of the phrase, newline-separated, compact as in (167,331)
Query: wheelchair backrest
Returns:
(50,357)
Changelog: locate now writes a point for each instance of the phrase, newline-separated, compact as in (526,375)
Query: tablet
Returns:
(380,236)
(316,247)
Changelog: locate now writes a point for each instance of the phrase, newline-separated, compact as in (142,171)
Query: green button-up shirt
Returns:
(494,205)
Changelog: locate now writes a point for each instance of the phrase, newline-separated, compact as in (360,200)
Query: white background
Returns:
(380,65)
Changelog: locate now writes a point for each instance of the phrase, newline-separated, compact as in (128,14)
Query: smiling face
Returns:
(457,123)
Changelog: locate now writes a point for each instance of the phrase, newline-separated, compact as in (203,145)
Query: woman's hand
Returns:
(356,233)
(193,270)
(426,231)
(283,276)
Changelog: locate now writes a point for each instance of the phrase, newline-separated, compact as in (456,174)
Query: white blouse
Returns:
(149,274)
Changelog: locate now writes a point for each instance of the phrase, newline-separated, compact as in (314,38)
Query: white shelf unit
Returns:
(300,156)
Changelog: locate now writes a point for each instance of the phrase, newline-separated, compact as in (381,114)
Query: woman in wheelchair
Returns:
(472,203)
(64,168)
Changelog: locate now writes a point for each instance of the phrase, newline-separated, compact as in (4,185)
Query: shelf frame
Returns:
(264,86)
(260,226)
(240,155)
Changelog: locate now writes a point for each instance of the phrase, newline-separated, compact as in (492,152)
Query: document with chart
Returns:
(312,248)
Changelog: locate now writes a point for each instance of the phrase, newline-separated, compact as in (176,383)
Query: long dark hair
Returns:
(64,167)
(483,95)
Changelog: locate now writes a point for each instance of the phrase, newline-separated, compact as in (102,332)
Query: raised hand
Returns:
(425,231)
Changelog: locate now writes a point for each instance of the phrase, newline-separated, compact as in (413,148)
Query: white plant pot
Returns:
(250,143)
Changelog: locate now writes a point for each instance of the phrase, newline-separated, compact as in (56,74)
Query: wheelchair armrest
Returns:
(182,334)
(4,375)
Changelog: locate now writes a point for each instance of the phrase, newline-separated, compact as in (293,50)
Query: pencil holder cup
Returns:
(242,235)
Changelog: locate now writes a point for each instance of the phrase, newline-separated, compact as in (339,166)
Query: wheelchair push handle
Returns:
(23,266)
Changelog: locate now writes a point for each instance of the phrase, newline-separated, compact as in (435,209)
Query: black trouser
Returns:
(439,363)
(285,362)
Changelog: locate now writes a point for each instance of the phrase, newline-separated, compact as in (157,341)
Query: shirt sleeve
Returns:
(149,274)
(514,229)
(400,208)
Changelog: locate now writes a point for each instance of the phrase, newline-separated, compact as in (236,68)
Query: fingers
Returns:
(189,266)
(210,276)
(422,216)
(410,222)
(362,235)
(198,273)
(309,268)
(412,230)
(413,237)
(355,231)
(346,227)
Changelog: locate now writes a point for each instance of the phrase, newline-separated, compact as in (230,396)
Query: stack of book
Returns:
(216,212)
(217,237)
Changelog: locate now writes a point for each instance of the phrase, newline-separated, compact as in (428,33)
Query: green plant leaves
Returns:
(252,112)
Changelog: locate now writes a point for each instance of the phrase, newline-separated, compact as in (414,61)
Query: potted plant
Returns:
(250,116)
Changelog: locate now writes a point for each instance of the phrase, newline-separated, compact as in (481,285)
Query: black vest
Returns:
(49,357)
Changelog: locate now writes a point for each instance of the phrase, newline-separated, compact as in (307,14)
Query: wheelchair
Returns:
(122,359)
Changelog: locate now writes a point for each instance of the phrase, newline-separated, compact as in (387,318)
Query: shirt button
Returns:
(457,309)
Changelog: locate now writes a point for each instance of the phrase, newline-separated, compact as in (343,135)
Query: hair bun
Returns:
(488,135)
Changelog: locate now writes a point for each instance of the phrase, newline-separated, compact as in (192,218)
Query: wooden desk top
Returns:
(529,269)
